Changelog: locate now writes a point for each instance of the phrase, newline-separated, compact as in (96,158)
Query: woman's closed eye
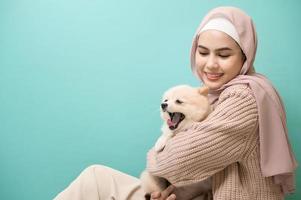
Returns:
(203,53)
(224,55)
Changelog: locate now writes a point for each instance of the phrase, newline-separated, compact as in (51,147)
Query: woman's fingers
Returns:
(171,197)
(167,191)
(164,195)
(155,195)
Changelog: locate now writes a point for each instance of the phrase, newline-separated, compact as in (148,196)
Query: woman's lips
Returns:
(213,76)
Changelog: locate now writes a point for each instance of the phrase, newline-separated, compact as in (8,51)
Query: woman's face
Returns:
(218,58)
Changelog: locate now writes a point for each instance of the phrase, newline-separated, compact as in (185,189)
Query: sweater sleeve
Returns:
(211,145)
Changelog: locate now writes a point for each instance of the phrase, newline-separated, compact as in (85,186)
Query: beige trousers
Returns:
(99,182)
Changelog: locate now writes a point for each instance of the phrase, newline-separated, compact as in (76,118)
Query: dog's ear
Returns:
(204,90)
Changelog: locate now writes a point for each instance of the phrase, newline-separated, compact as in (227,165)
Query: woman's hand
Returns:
(165,194)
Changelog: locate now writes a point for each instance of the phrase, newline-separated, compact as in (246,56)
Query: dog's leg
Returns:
(161,142)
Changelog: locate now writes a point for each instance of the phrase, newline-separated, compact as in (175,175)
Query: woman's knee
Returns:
(97,169)
(94,166)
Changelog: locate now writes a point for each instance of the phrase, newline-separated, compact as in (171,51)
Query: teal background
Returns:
(81,81)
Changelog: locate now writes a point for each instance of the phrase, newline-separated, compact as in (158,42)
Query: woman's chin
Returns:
(213,85)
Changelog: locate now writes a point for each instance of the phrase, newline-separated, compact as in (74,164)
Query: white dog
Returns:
(181,106)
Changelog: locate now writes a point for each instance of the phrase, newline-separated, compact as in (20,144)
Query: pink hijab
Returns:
(276,156)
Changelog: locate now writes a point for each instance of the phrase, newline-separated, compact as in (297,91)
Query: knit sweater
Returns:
(225,146)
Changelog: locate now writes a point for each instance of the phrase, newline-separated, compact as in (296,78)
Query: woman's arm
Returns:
(211,145)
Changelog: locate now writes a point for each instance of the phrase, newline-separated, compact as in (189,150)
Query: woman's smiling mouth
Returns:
(213,76)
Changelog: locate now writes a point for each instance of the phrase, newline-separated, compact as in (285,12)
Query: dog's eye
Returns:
(165,100)
(179,101)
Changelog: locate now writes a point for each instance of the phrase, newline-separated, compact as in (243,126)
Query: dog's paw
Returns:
(150,183)
(159,146)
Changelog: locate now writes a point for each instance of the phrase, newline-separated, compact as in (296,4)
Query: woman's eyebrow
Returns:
(219,49)
(203,47)
(224,49)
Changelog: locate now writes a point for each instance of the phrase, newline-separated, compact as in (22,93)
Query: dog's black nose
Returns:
(163,106)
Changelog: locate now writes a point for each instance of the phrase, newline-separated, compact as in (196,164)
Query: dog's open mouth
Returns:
(175,120)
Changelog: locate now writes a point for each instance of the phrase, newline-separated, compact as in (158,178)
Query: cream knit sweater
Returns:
(225,147)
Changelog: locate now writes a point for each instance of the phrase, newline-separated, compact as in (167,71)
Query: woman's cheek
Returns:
(200,73)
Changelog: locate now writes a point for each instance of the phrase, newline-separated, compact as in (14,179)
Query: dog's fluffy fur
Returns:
(181,106)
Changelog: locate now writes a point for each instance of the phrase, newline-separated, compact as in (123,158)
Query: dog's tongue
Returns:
(174,120)
(170,123)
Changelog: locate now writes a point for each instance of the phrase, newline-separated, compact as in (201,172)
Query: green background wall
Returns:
(81,81)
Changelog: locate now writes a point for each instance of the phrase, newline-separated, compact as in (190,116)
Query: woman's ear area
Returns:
(203,90)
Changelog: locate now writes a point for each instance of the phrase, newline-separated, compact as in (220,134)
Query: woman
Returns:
(242,145)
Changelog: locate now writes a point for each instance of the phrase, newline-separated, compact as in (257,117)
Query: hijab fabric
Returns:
(276,156)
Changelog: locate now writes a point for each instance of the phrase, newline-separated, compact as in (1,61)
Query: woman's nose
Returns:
(211,62)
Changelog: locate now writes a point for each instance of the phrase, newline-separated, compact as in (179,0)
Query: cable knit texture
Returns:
(225,147)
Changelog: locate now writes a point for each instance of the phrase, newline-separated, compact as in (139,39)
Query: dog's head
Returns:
(183,104)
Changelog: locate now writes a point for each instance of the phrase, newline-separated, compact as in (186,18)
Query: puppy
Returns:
(181,106)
